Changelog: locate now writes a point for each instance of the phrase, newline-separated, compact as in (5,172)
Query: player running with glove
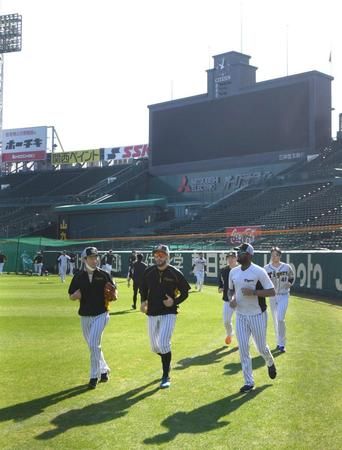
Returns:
(95,289)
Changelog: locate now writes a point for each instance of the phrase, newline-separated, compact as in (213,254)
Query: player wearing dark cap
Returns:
(249,284)
(89,286)
(162,289)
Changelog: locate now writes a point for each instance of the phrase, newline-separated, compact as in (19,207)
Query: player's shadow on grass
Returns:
(203,419)
(95,413)
(257,362)
(26,410)
(212,357)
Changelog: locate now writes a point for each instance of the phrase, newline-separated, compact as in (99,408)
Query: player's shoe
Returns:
(133,307)
(281,348)
(247,388)
(92,383)
(165,383)
(228,340)
(272,372)
(104,377)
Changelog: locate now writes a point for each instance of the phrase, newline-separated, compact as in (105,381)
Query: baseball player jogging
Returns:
(108,260)
(72,262)
(227,313)
(63,260)
(282,276)
(3,259)
(162,289)
(137,272)
(38,263)
(94,288)
(249,284)
(199,268)
(131,261)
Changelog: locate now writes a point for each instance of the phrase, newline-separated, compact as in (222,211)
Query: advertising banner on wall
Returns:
(24,144)
(81,157)
(131,151)
(237,235)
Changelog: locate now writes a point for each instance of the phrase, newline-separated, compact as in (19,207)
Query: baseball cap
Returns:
(162,248)
(231,254)
(245,248)
(89,251)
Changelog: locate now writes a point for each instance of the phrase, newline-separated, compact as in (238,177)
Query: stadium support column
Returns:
(11,39)
(1,94)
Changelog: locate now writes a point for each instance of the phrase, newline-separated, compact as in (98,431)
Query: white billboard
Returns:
(24,144)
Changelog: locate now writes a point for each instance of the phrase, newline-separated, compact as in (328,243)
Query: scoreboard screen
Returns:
(269,120)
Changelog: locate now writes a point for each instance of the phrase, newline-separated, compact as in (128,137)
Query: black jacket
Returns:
(224,282)
(157,283)
(92,302)
(138,270)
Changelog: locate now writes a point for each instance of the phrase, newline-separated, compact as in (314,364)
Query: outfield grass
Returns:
(44,369)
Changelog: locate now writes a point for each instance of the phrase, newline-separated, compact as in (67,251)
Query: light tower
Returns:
(10,41)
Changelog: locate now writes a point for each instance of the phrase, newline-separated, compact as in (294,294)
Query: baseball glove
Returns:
(110,293)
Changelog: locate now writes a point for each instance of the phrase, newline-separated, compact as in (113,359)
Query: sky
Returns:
(91,68)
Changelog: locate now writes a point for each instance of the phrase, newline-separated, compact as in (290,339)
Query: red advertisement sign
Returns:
(237,235)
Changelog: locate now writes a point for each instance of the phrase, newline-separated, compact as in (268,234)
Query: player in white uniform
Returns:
(199,268)
(249,284)
(282,276)
(63,265)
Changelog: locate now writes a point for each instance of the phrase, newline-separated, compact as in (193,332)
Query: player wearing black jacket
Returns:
(162,289)
(137,272)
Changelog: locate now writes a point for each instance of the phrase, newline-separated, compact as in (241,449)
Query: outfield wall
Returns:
(317,272)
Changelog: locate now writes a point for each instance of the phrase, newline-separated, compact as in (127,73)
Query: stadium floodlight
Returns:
(10,33)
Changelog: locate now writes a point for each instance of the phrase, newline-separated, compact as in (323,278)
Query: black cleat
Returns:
(133,307)
(104,377)
(282,349)
(272,372)
(92,383)
(247,388)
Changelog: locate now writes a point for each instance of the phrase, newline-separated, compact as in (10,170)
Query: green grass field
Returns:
(44,369)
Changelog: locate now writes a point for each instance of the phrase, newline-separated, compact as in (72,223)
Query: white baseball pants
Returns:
(92,327)
(62,271)
(227,315)
(199,274)
(108,268)
(160,329)
(279,306)
(71,268)
(38,268)
(255,326)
